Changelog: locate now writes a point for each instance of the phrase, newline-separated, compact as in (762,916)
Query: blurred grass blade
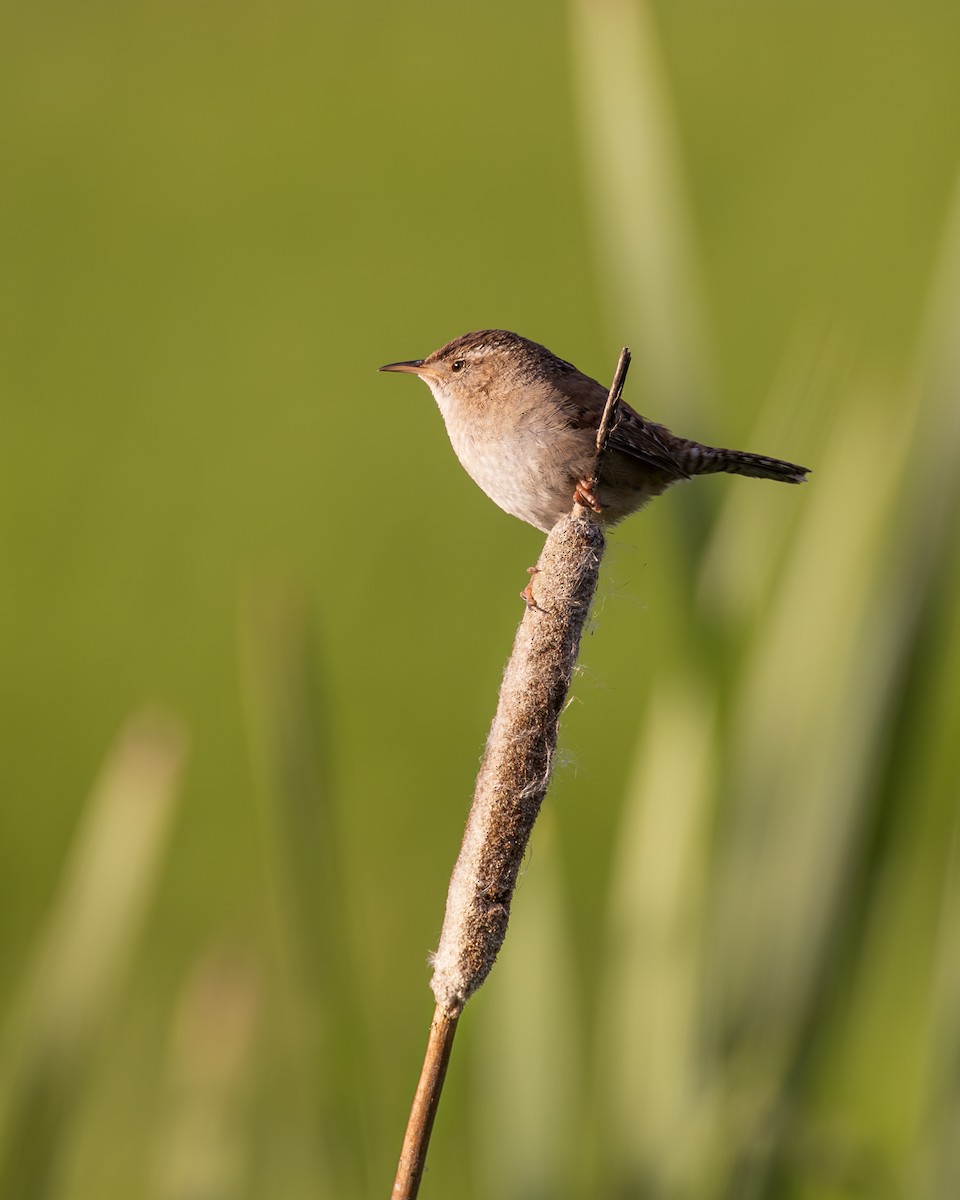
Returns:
(651,1020)
(822,711)
(202,1143)
(638,201)
(107,883)
(799,748)
(821,672)
(287,732)
(288,723)
(527,1053)
(940,1124)
(941,1145)
(912,959)
(939,367)
(734,580)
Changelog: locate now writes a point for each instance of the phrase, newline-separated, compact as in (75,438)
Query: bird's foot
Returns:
(527,594)
(584,494)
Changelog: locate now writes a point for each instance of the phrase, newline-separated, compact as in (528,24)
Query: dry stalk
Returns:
(510,787)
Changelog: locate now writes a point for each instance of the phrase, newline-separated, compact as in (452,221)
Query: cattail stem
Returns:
(413,1155)
(510,787)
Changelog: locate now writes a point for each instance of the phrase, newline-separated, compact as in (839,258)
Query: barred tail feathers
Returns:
(709,460)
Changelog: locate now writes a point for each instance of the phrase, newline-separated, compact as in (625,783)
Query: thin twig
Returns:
(611,413)
(510,787)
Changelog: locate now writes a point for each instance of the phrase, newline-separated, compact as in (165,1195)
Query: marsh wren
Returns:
(524,422)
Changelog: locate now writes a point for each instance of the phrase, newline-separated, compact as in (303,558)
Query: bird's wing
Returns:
(642,439)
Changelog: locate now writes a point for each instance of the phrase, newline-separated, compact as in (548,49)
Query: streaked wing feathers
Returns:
(641,439)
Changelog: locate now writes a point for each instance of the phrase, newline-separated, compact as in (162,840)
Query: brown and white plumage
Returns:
(523,423)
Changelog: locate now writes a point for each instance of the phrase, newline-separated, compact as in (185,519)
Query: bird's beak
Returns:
(411,368)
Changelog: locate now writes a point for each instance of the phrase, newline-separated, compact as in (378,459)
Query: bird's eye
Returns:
(458,364)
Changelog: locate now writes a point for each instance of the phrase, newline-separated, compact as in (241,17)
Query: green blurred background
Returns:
(254,614)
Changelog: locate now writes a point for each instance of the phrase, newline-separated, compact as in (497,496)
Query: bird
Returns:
(523,423)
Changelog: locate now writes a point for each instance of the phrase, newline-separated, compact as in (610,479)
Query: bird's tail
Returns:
(709,460)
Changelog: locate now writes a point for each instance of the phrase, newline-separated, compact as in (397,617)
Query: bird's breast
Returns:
(527,465)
